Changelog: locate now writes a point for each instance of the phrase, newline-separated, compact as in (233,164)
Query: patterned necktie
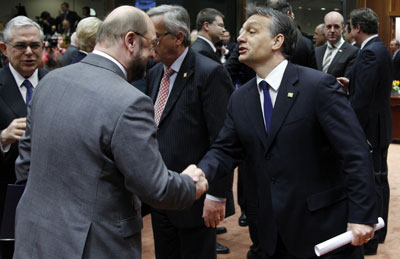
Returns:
(29,90)
(162,95)
(267,104)
(328,58)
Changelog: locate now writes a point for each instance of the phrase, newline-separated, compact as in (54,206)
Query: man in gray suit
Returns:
(89,153)
(337,56)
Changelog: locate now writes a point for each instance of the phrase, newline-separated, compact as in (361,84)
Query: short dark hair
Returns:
(207,15)
(279,24)
(66,4)
(281,5)
(366,19)
(347,26)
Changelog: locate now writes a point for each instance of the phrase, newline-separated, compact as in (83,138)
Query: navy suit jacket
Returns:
(192,117)
(311,174)
(396,66)
(370,88)
(202,47)
(343,61)
(12,106)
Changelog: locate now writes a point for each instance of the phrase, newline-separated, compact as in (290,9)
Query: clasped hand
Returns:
(198,178)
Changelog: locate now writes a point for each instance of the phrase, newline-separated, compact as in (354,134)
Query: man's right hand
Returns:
(13,132)
(199,178)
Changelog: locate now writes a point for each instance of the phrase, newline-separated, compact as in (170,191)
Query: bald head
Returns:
(333,27)
(122,20)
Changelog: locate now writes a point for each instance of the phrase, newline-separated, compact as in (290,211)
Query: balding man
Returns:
(319,35)
(89,153)
(337,56)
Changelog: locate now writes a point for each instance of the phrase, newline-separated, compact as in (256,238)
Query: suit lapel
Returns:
(11,95)
(253,108)
(337,57)
(286,96)
(184,73)
(155,81)
(320,57)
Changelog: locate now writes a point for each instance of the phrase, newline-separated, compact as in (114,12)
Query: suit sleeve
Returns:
(364,85)
(215,94)
(349,64)
(135,150)
(345,134)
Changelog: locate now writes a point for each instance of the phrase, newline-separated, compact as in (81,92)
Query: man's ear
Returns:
(3,48)
(278,41)
(206,26)
(179,38)
(130,40)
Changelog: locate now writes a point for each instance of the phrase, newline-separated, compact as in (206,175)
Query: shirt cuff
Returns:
(213,198)
(5,148)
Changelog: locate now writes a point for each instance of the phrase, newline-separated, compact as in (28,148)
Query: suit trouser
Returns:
(382,189)
(172,242)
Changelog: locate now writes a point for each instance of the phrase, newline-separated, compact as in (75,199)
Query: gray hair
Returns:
(18,22)
(116,28)
(279,24)
(176,19)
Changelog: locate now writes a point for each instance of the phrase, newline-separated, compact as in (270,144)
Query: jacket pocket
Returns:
(326,198)
(131,226)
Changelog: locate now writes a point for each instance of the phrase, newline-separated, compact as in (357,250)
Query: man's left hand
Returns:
(361,233)
(213,212)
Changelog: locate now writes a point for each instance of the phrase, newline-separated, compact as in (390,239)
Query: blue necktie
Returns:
(29,90)
(267,104)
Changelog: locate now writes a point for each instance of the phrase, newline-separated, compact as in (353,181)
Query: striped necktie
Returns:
(328,58)
(162,95)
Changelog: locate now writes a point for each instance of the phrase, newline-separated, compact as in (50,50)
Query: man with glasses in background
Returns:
(210,24)
(190,94)
(23,46)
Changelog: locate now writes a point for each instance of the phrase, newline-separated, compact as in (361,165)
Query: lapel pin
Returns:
(185,75)
(340,50)
(290,95)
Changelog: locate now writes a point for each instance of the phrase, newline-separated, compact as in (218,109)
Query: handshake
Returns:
(198,178)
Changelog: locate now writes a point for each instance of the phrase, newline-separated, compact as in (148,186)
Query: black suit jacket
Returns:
(12,106)
(311,174)
(343,61)
(304,54)
(201,46)
(396,66)
(193,115)
(370,88)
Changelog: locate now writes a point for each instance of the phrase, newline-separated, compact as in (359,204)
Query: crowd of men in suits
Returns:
(95,153)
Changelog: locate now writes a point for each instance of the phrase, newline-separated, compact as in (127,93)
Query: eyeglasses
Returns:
(154,43)
(23,46)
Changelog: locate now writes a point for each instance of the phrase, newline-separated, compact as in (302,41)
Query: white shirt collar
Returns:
(339,43)
(274,78)
(176,66)
(105,55)
(19,79)
(209,42)
(367,40)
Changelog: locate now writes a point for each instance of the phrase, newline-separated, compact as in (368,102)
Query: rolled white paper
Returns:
(340,240)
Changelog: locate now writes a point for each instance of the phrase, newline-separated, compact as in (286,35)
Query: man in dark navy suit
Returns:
(370,87)
(190,94)
(310,170)
(210,24)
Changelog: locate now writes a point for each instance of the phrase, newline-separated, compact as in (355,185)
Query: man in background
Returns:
(23,46)
(319,35)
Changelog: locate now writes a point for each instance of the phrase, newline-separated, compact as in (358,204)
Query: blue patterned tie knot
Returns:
(29,90)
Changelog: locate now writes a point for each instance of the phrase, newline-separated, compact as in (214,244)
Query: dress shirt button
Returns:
(273,180)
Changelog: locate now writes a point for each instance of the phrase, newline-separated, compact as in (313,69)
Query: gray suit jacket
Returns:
(342,62)
(91,154)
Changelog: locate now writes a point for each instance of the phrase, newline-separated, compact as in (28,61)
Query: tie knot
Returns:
(169,72)
(331,46)
(264,85)
(27,84)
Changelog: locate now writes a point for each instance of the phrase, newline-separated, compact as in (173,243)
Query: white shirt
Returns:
(209,43)
(367,40)
(19,79)
(105,55)
(337,45)
(274,79)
